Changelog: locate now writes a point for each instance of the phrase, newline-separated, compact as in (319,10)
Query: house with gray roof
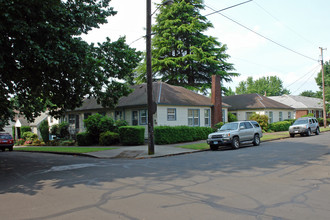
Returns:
(173,105)
(243,106)
(303,105)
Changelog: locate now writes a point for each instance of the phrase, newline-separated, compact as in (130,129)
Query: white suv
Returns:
(304,126)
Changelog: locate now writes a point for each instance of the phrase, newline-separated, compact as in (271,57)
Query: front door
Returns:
(135,118)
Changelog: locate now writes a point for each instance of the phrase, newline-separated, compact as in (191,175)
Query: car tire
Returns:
(317,132)
(256,140)
(292,135)
(308,133)
(11,148)
(214,147)
(235,143)
(3,149)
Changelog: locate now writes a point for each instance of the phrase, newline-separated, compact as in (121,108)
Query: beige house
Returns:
(243,106)
(174,106)
(303,105)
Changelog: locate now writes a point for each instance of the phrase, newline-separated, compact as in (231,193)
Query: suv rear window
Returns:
(255,124)
(5,136)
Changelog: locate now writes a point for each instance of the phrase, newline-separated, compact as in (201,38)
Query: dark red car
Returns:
(6,141)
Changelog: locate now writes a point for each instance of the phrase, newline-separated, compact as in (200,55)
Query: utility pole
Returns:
(324,109)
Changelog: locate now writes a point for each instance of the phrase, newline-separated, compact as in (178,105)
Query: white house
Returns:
(174,105)
(243,106)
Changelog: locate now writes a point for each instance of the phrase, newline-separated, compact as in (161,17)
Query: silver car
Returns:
(304,126)
(235,133)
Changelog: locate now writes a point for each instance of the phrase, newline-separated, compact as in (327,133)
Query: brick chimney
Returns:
(216,100)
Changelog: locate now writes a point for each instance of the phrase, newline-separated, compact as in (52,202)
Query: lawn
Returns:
(80,150)
(266,137)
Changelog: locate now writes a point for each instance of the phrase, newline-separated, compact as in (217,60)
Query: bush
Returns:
(280,126)
(119,123)
(177,134)
(108,138)
(67,143)
(63,130)
(20,141)
(25,129)
(96,124)
(54,130)
(290,120)
(44,131)
(30,136)
(84,139)
(231,117)
(131,135)
(261,119)
(219,125)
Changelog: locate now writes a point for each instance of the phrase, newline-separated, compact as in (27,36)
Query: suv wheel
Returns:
(235,143)
(213,147)
(308,132)
(317,132)
(292,135)
(256,140)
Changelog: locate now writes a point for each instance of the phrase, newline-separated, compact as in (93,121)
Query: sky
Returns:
(292,30)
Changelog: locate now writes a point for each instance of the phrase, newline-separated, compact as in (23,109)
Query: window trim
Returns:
(208,117)
(140,116)
(171,114)
(193,117)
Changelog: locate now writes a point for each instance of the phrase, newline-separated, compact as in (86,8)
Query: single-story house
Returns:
(303,105)
(21,121)
(243,106)
(174,106)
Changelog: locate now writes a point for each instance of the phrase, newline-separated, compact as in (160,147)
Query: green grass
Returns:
(64,149)
(266,137)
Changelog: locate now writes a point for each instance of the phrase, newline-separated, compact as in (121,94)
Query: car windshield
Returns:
(229,126)
(5,137)
(300,122)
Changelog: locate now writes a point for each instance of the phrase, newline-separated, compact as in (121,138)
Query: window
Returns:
(143,117)
(72,119)
(193,117)
(171,114)
(270,117)
(289,115)
(118,115)
(86,115)
(135,118)
(280,116)
(223,115)
(248,125)
(248,115)
(207,117)
(102,113)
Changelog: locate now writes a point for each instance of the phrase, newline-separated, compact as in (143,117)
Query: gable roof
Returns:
(252,101)
(163,94)
(299,102)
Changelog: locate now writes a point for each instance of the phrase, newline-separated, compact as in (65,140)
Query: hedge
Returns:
(84,139)
(108,138)
(177,134)
(131,135)
(280,126)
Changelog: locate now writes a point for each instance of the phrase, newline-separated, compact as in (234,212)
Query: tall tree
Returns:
(182,54)
(45,64)
(318,79)
(270,85)
(309,93)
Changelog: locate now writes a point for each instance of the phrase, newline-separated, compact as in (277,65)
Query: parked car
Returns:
(236,133)
(304,126)
(6,141)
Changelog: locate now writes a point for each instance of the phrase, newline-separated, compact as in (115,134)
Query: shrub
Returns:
(29,136)
(44,131)
(280,126)
(261,119)
(109,138)
(290,120)
(63,130)
(20,141)
(37,142)
(54,130)
(119,123)
(25,129)
(219,125)
(231,117)
(131,135)
(177,134)
(84,139)
(67,143)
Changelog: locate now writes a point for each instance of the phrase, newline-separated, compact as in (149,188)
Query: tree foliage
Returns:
(318,79)
(270,85)
(182,54)
(310,93)
(45,64)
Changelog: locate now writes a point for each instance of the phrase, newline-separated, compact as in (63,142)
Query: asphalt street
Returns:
(284,179)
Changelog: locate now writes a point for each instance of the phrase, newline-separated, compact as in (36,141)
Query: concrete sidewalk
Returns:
(141,152)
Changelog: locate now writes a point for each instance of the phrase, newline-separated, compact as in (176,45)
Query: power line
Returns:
(267,38)
(283,23)
(227,7)
(305,81)
(304,75)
